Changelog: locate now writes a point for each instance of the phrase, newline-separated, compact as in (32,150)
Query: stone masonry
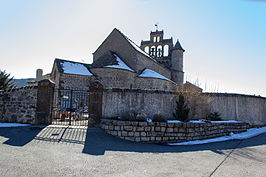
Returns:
(162,132)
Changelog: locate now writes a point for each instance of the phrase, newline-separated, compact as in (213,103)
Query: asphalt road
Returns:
(69,151)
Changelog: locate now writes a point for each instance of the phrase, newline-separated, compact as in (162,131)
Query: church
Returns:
(144,78)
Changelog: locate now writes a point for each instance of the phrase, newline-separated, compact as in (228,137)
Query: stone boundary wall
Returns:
(118,101)
(247,108)
(162,132)
(18,105)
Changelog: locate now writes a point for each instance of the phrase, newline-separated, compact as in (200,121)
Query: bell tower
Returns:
(167,54)
(158,47)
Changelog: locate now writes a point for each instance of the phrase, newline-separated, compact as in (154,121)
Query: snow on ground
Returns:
(75,68)
(173,121)
(121,64)
(13,125)
(239,136)
(152,74)
(226,121)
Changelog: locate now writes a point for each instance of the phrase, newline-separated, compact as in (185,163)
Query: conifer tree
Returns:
(181,110)
(5,81)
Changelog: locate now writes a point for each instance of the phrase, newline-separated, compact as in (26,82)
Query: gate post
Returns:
(45,96)
(95,103)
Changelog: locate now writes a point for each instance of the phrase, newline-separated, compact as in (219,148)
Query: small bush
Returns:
(158,117)
(214,116)
(129,116)
(142,117)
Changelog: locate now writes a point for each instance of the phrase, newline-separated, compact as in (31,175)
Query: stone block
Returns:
(119,133)
(176,129)
(124,133)
(143,124)
(137,139)
(114,133)
(152,138)
(171,125)
(111,127)
(128,128)
(120,122)
(158,138)
(130,134)
(157,129)
(117,127)
(143,134)
(165,138)
(140,129)
(151,124)
(145,139)
(136,133)
(182,130)
(130,138)
(147,129)
(170,130)
(163,129)
(163,124)
(135,123)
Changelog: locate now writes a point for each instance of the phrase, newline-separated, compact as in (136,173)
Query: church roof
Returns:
(110,60)
(135,46)
(71,67)
(178,46)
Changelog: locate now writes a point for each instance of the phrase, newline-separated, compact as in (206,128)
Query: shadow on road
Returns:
(97,142)
(19,136)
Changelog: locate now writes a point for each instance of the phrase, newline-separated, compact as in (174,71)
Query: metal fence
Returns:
(70,107)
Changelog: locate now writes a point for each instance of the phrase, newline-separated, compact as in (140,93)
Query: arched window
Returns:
(154,39)
(159,51)
(158,38)
(146,49)
(165,50)
(153,52)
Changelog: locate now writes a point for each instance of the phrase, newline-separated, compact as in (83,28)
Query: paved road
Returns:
(69,151)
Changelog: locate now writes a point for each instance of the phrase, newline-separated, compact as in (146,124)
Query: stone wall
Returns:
(124,79)
(118,101)
(251,109)
(162,132)
(18,105)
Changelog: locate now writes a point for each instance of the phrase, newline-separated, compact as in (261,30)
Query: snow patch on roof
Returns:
(152,74)
(121,64)
(75,68)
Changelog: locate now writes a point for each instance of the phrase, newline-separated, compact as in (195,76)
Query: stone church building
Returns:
(144,78)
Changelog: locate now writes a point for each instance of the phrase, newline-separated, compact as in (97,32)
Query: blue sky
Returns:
(225,41)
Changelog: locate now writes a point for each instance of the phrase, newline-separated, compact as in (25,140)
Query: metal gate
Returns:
(71,107)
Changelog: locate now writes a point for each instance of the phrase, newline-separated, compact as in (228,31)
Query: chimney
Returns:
(39,74)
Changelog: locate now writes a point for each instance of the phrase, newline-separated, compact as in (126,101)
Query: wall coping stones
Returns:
(162,132)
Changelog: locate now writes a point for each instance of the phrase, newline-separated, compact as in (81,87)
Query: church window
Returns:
(154,39)
(146,49)
(153,52)
(159,51)
(158,38)
(165,50)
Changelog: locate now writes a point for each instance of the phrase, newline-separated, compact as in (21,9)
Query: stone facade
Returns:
(162,132)
(19,105)
(119,101)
